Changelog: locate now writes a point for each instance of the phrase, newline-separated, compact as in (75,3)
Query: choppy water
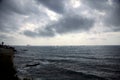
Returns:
(68,62)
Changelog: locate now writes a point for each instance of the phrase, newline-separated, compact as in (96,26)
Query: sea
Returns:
(68,62)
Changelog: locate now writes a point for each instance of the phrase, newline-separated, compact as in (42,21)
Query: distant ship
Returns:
(27,45)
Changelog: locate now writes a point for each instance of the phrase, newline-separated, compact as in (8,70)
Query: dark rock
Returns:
(30,65)
(7,69)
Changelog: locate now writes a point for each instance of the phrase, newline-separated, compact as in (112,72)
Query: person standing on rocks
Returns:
(2,43)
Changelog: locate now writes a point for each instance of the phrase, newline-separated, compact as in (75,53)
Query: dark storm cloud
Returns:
(67,24)
(0,1)
(47,32)
(8,23)
(30,33)
(73,23)
(18,6)
(55,5)
(12,13)
(96,4)
(112,17)
(7,19)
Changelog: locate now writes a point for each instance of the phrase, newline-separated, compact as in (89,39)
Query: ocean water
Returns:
(68,62)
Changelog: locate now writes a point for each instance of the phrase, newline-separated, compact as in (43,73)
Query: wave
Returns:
(58,73)
(85,76)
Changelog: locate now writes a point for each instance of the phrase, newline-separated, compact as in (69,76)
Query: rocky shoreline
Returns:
(7,69)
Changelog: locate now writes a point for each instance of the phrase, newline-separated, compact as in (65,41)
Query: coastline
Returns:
(7,69)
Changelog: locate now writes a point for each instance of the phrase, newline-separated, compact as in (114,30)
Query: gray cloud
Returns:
(55,5)
(96,4)
(112,17)
(67,24)
(20,7)
(9,20)
(13,15)
(47,32)
(7,39)
(3,36)
(72,24)
(0,1)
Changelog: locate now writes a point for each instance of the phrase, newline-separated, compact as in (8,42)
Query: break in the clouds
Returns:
(50,18)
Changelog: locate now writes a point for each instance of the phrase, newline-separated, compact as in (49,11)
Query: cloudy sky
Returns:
(60,22)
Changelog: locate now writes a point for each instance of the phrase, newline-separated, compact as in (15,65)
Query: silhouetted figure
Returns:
(2,43)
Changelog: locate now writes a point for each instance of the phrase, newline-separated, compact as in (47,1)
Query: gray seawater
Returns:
(68,62)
